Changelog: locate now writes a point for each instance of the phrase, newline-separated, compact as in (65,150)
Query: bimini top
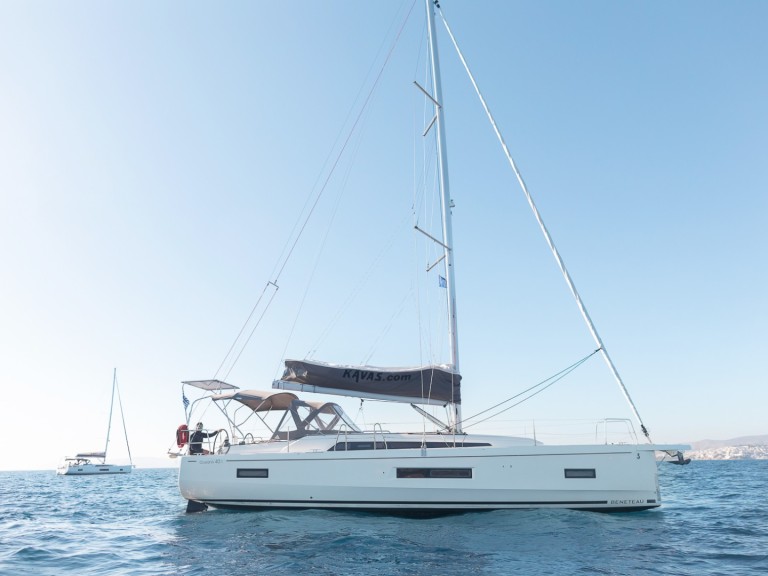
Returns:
(299,418)
(258,400)
(420,385)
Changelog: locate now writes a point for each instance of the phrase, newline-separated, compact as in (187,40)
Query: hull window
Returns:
(580,473)
(380,445)
(252,473)
(434,472)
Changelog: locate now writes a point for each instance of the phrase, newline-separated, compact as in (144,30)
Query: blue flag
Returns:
(185,400)
(442,282)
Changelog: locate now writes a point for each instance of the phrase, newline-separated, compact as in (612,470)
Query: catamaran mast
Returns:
(445,201)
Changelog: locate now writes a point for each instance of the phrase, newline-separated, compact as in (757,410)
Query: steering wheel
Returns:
(220,446)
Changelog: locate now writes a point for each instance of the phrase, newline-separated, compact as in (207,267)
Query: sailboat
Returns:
(95,463)
(311,454)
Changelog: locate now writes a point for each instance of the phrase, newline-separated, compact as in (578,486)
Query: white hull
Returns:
(318,458)
(607,477)
(85,463)
(93,469)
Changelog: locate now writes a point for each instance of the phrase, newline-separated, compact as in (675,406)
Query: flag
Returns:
(185,400)
(441,282)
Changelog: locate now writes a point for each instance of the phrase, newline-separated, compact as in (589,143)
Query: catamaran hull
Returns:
(93,470)
(606,478)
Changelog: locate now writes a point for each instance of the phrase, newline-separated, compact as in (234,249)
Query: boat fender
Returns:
(182,436)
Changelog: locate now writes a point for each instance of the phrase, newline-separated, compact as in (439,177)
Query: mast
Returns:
(122,417)
(445,201)
(111,404)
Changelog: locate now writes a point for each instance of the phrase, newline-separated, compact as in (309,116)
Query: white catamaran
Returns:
(95,463)
(309,454)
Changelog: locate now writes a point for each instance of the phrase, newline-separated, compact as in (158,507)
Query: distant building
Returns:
(743,452)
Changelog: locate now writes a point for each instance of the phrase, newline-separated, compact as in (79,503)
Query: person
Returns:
(196,440)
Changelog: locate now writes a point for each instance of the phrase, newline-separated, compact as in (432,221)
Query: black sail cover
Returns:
(424,384)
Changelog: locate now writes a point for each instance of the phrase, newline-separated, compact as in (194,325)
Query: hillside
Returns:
(742,448)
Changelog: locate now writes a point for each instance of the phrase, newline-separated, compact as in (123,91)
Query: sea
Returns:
(714,521)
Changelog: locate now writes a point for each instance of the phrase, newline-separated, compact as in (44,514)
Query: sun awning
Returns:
(419,385)
(258,400)
(210,385)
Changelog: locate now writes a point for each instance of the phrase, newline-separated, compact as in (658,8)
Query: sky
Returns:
(155,159)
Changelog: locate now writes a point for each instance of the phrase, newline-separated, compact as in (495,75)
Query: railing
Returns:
(343,428)
(383,436)
(629,430)
(566,431)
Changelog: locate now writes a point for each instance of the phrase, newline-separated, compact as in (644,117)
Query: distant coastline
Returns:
(743,448)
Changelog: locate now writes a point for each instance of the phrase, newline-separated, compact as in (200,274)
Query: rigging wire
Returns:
(283,260)
(320,251)
(552,380)
(122,417)
(419,200)
(428,181)
(111,406)
(352,131)
(547,236)
(242,329)
(365,276)
(256,325)
(387,327)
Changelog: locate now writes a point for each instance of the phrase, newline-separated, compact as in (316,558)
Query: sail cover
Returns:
(91,455)
(419,385)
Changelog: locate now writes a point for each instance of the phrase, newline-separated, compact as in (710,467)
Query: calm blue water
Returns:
(714,521)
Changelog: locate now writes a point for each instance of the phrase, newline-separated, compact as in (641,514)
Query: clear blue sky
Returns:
(154,157)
